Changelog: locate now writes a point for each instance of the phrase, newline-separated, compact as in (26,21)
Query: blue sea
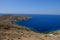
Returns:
(41,23)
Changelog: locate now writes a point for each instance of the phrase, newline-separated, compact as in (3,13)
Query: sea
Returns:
(40,23)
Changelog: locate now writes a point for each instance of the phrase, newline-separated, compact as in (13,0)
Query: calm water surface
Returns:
(41,23)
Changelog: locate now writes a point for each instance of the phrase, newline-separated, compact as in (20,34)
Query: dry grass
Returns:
(21,33)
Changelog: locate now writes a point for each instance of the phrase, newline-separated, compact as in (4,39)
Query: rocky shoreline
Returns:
(9,31)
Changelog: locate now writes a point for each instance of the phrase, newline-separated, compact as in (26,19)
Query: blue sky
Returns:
(30,6)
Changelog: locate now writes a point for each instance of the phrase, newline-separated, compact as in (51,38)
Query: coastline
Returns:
(16,32)
(9,31)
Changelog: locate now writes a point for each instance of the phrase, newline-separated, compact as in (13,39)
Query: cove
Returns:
(41,23)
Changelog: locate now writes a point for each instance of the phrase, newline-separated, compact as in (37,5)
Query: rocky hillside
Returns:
(15,32)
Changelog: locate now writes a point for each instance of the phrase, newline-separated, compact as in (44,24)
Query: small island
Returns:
(9,31)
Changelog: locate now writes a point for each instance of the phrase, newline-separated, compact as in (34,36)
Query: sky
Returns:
(30,6)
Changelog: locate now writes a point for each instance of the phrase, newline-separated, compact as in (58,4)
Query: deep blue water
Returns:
(42,23)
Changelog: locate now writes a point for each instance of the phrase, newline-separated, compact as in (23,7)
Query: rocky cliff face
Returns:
(10,31)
